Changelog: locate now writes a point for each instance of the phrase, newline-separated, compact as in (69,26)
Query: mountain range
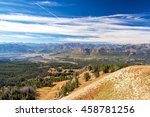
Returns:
(79,50)
(86,49)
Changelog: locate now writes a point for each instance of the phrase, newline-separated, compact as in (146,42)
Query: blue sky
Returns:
(59,21)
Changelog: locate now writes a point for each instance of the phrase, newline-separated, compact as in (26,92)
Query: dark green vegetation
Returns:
(23,93)
(14,76)
(16,73)
(86,76)
(19,80)
(38,82)
(107,68)
(16,80)
(13,73)
(68,87)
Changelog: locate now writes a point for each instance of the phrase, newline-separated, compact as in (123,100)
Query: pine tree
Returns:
(87,76)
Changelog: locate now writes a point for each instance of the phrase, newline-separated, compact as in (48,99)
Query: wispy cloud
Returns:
(115,28)
(10,3)
(48,3)
(16,6)
(44,3)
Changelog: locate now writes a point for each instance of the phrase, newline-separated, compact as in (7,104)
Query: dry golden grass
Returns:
(49,93)
(89,95)
(132,83)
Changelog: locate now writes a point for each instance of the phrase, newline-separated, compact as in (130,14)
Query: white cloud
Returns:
(10,3)
(48,3)
(97,29)
(17,36)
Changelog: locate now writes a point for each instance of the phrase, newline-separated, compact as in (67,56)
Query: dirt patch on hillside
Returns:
(49,93)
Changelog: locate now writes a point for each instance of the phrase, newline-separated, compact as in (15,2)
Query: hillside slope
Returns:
(49,93)
(131,83)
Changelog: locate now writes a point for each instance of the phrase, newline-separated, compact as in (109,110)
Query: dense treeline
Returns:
(13,73)
(74,64)
(24,93)
(64,65)
(38,82)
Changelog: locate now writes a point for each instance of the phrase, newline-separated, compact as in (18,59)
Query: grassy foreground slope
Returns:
(130,83)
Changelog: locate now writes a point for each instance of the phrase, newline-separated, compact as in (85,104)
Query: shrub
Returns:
(89,68)
(96,74)
(87,76)
(69,87)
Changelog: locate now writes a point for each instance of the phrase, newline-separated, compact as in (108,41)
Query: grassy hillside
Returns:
(129,83)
